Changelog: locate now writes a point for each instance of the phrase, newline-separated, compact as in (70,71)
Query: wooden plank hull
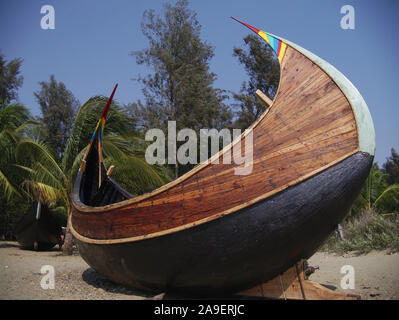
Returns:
(243,249)
(45,231)
(212,230)
(309,128)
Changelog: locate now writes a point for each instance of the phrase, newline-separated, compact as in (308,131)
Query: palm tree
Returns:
(14,122)
(376,193)
(54,181)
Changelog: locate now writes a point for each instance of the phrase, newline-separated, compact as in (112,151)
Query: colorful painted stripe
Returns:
(275,43)
(103,118)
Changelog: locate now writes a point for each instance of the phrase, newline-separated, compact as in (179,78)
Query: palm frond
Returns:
(47,193)
(135,175)
(37,152)
(78,137)
(13,115)
(390,191)
(7,186)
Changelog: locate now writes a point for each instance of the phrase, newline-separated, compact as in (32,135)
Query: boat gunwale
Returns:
(209,218)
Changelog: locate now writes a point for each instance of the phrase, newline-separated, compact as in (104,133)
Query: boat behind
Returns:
(38,229)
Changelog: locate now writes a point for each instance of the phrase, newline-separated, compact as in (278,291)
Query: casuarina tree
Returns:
(180,88)
(58,106)
(263,69)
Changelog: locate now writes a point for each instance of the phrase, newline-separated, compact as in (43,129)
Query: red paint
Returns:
(247,25)
(279,47)
(105,112)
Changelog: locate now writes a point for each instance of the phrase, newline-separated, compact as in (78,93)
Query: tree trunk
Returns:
(67,248)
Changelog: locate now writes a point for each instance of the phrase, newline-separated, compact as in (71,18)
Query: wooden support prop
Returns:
(100,160)
(264,98)
(82,166)
(157,297)
(293,285)
(110,169)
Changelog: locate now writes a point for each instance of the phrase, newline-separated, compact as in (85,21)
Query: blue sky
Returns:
(89,48)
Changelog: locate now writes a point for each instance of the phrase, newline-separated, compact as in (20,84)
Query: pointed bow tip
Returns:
(105,111)
(247,25)
(116,86)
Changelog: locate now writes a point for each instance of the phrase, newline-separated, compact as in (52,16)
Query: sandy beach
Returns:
(376,276)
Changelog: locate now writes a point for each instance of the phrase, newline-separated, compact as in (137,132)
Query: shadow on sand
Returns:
(8,244)
(97,280)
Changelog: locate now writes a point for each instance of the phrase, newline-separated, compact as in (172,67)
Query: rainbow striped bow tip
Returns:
(275,43)
(103,117)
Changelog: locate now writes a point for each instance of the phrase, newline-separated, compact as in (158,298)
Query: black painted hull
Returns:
(46,232)
(242,249)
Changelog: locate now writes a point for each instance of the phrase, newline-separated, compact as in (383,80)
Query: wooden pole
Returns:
(264,98)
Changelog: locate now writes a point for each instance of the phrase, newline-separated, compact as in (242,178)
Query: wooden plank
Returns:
(264,98)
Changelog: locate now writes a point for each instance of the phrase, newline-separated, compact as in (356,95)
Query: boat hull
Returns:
(45,232)
(242,249)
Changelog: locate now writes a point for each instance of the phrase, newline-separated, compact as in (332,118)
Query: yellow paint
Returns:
(282,51)
(264,36)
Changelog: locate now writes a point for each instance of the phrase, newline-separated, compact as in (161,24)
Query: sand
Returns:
(376,276)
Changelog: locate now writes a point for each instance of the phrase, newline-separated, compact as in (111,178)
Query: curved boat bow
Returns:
(213,231)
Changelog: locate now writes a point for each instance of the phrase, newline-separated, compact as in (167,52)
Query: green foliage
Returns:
(53,180)
(16,124)
(391,167)
(377,194)
(59,213)
(12,119)
(46,178)
(58,106)
(180,87)
(368,231)
(12,116)
(263,69)
(10,80)
(119,123)
(11,211)
(43,160)
(135,175)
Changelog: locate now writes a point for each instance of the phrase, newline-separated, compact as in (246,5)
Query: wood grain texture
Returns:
(242,249)
(292,285)
(309,128)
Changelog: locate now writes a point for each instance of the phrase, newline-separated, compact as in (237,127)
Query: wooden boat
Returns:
(211,231)
(38,229)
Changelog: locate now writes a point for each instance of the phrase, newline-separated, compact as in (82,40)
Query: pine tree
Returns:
(180,88)
(391,167)
(58,106)
(10,80)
